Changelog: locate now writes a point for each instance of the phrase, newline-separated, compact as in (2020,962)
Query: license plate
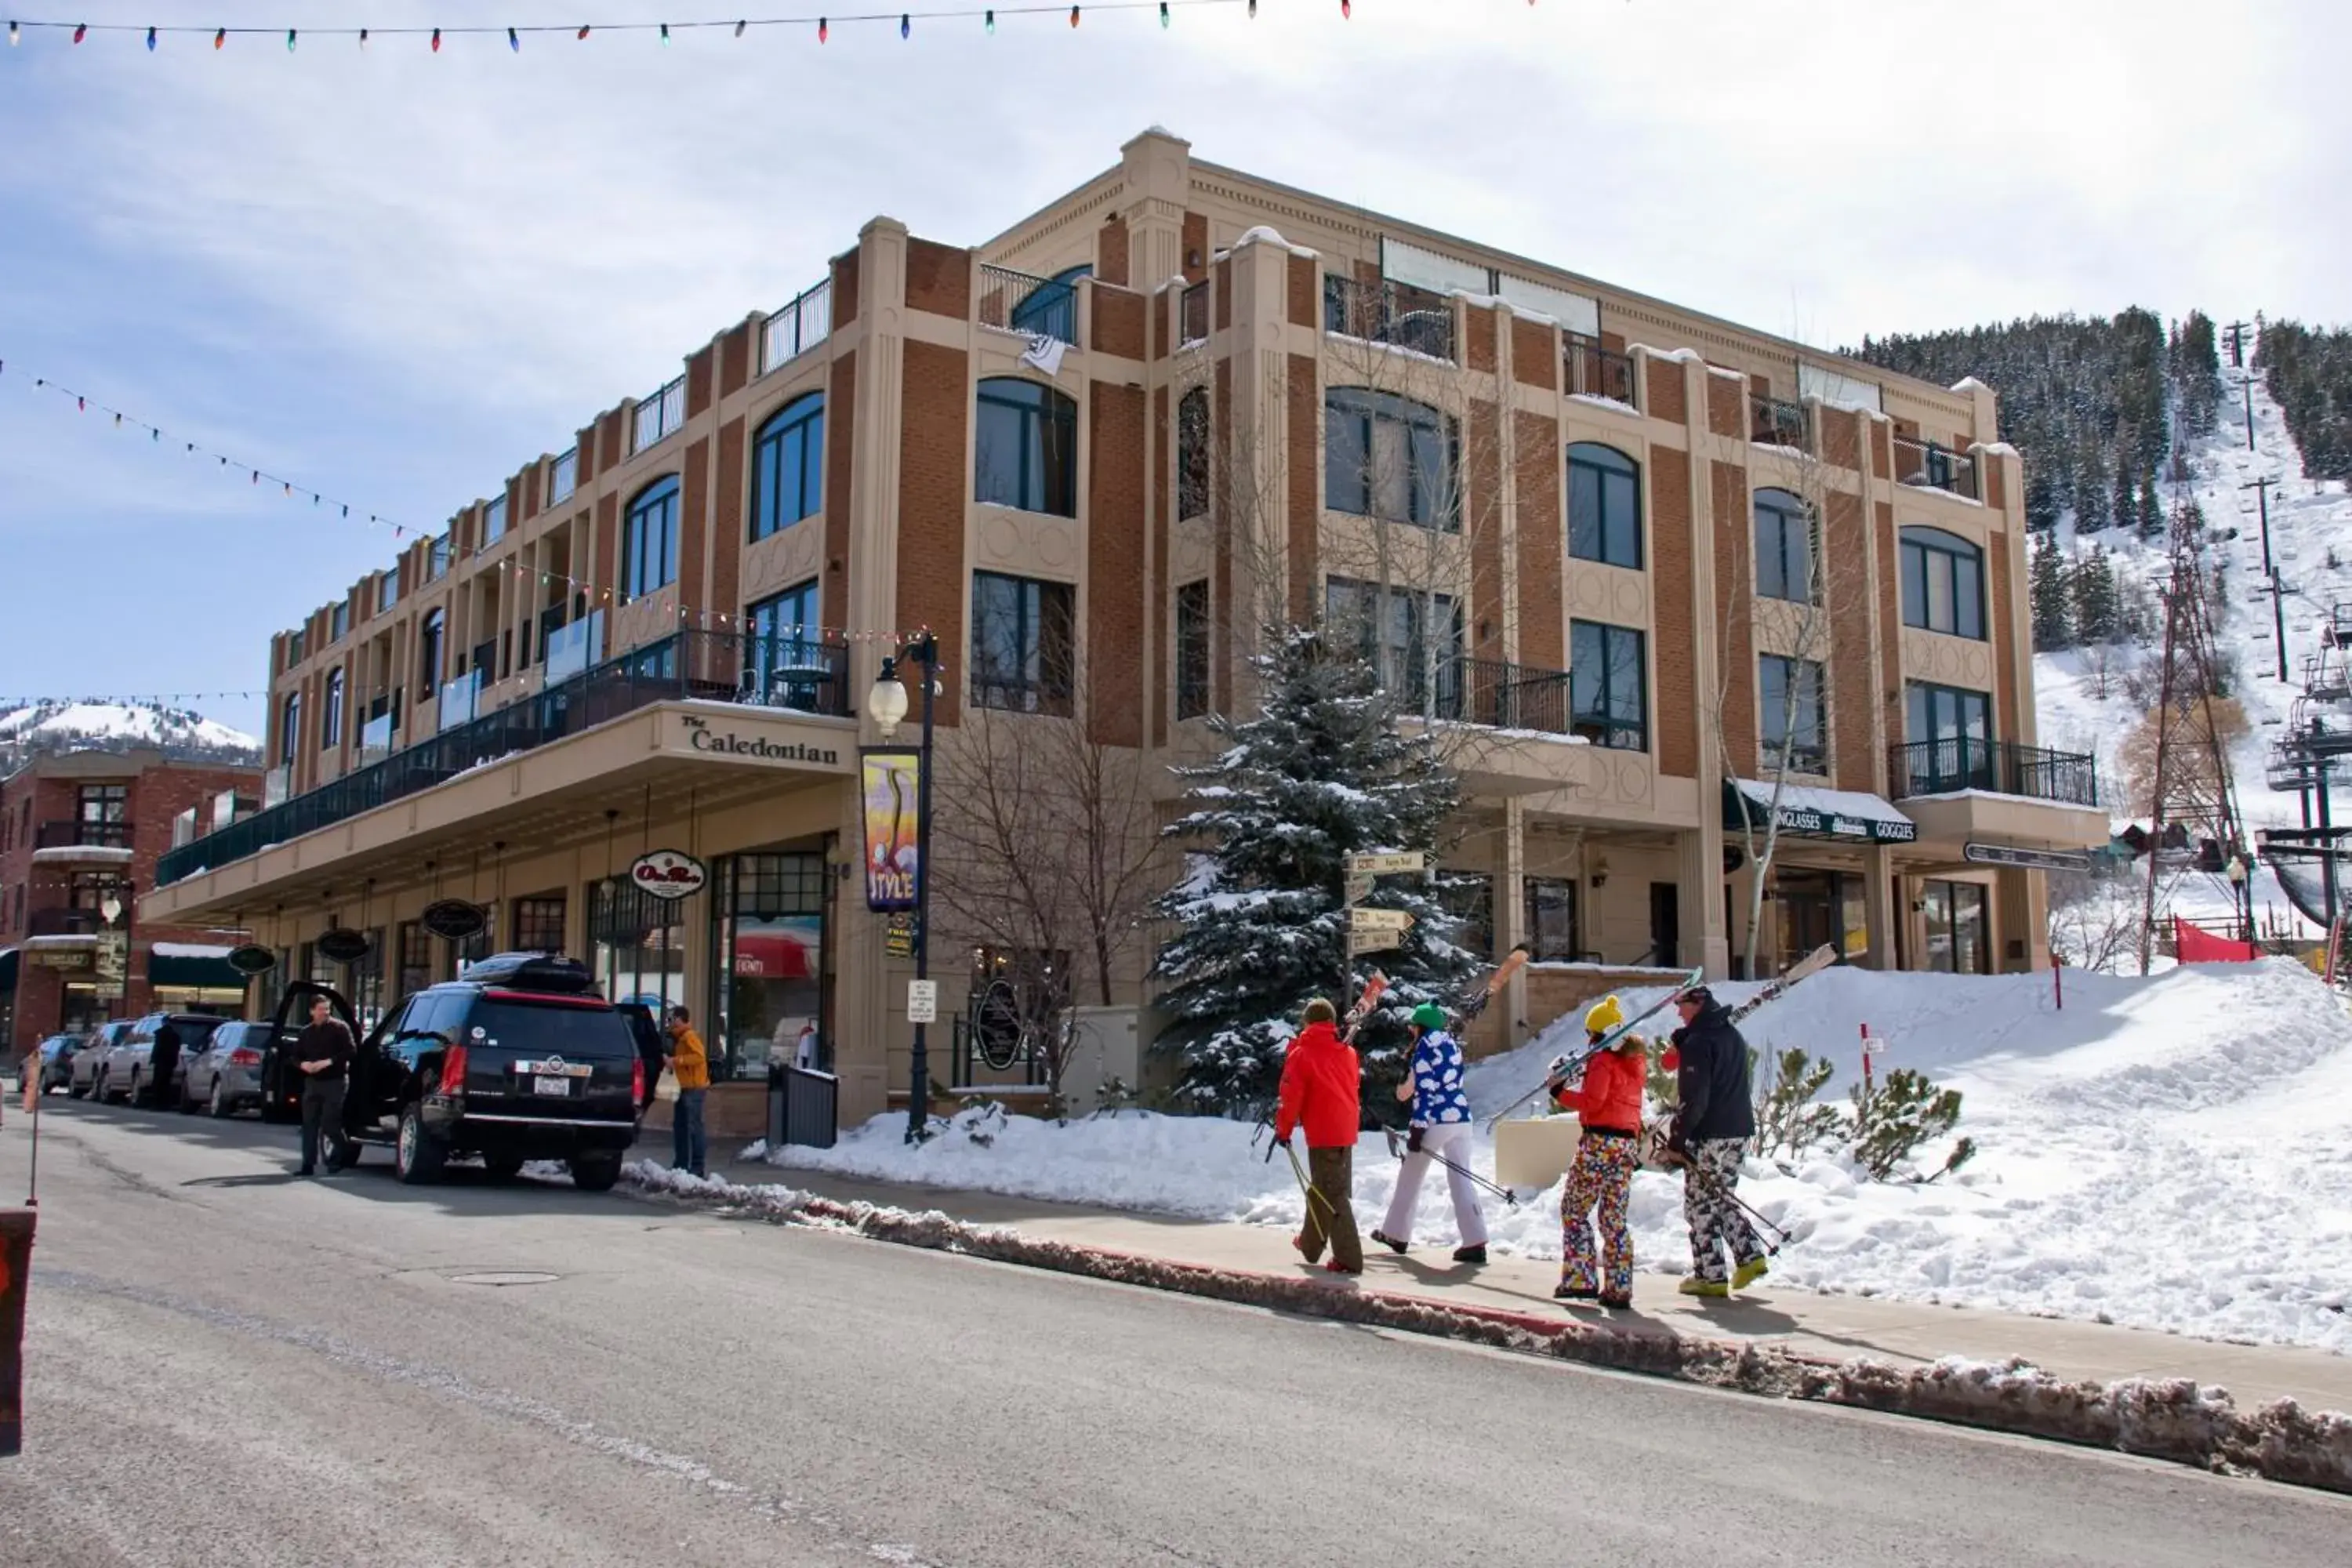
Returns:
(557,1085)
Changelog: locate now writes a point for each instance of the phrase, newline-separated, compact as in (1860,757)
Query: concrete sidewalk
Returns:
(1801,1323)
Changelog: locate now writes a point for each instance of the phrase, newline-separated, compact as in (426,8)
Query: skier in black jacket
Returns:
(1714,1120)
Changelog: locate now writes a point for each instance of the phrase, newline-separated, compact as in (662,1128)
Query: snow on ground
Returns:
(2310,541)
(2169,1152)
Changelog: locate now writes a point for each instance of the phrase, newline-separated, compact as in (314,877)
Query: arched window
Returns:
(1025,448)
(1389,458)
(1784,548)
(1943,583)
(788,466)
(1604,506)
(1051,307)
(1193,454)
(649,539)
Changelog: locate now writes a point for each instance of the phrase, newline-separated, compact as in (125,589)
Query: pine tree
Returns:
(2090,513)
(2151,508)
(1321,771)
(2097,607)
(2051,599)
(2126,489)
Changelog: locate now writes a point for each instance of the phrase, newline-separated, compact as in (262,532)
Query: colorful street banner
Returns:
(887,778)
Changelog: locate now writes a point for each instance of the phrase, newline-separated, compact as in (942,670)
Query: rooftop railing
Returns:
(1596,372)
(1958,762)
(799,327)
(1019,302)
(74,834)
(1933,466)
(1775,422)
(1193,318)
(658,415)
(1382,313)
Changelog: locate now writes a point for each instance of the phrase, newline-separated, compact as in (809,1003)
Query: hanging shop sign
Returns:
(1869,820)
(453,919)
(250,960)
(888,781)
(344,945)
(113,960)
(898,936)
(2037,859)
(667,874)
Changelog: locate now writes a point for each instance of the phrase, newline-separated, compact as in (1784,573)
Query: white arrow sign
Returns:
(1361,942)
(1395,921)
(1387,864)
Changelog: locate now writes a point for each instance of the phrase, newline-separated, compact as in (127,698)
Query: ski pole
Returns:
(1750,1210)
(1496,1188)
(1308,1187)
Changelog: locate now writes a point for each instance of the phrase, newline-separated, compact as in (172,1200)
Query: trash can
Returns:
(802,1107)
(16,1277)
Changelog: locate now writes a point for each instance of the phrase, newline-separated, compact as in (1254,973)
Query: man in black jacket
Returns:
(1714,1120)
(322,1052)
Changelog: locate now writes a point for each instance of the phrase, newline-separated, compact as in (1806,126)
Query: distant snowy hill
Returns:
(49,727)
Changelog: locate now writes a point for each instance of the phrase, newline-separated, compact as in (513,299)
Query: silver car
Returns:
(142,1065)
(225,1077)
(88,1071)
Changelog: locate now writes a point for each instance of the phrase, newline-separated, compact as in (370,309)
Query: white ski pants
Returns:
(1451,1141)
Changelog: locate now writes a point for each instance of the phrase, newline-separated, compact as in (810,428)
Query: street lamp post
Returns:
(887,702)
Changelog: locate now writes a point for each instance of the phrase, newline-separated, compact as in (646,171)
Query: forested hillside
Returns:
(2308,372)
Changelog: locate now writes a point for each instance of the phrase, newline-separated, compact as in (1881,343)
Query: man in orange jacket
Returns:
(692,1063)
(1321,1080)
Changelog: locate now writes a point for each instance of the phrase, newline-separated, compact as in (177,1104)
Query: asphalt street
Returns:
(231,1365)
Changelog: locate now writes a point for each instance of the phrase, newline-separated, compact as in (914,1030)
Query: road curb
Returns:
(2167,1418)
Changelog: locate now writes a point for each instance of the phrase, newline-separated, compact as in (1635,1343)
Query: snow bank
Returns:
(2172,1153)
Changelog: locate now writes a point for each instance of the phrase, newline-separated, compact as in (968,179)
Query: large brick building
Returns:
(1624,557)
(77,830)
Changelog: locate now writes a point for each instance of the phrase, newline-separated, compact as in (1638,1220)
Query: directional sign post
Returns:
(1389,864)
(1376,931)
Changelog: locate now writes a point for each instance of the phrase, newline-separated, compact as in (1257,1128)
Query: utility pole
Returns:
(2233,337)
(2261,488)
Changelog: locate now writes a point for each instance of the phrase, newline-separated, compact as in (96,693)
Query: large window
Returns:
(1959,929)
(1023,650)
(1943,583)
(289,726)
(649,540)
(339,621)
(788,466)
(1784,548)
(635,944)
(1608,685)
(429,638)
(770,912)
(105,802)
(539,923)
(1413,639)
(1193,454)
(1025,448)
(1604,506)
(1192,650)
(1950,731)
(330,716)
(1389,458)
(1551,920)
(387,589)
(1792,693)
(415,971)
(784,660)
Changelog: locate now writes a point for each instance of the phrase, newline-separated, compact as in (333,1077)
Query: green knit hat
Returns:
(1429,1016)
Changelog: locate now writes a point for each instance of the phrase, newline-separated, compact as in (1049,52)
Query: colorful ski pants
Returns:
(1599,1184)
(1716,1222)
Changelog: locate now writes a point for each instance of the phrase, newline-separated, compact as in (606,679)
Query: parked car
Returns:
(519,1060)
(224,1077)
(143,1064)
(52,1059)
(88,1072)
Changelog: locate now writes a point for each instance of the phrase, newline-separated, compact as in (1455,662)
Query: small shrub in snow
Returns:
(1788,1120)
(1893,1120)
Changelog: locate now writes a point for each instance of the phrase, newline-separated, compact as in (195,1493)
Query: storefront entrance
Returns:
(1959,927)
(770,981)
(1812,909)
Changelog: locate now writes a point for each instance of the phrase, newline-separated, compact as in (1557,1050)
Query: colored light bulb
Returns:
(363,37)
(12,34)
(823,31)
(513,41)
(665,27)
(151,40)
(1163,13)
(220,37)
(738,28)
(1074,16)
(584,34)
(81,31)
(290,40)
(992,23)
(906,25)
(436,40)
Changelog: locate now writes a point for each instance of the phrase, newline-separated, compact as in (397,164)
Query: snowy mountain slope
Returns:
(110,726)
(2311,539)
(2172,1153)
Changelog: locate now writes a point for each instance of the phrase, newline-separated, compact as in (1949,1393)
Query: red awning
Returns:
(2196,946)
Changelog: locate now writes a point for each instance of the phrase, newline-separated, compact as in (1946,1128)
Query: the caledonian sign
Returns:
(701,737)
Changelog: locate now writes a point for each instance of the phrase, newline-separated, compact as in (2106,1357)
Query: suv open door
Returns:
(281,1085)
(653,1047)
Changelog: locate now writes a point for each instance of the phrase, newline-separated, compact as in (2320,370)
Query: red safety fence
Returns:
(2195,946)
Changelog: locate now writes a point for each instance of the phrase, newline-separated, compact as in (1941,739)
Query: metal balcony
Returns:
(80,834)
(1997,767)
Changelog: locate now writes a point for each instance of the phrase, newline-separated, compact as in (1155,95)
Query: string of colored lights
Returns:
(290,490)
(823,23)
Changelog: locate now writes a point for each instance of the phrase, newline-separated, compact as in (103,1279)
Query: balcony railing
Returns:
(1192,315)
(277,785)
(563,476)
(1597,371)
(1510,696)
(1776,422)
(74,834)
(797,328)
(657,416)
(1382,313)
(571,650)
(60,921)
(1019,302)
(705,665)
(1999,767)
(459,701)
(1932,466)
(436,560)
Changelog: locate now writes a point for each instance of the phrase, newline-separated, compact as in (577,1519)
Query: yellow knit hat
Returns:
(1603,1015)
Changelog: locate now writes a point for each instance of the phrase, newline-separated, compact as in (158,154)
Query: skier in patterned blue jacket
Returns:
(1441,1133)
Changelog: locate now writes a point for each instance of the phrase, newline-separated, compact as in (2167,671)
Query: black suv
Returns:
(519,1060)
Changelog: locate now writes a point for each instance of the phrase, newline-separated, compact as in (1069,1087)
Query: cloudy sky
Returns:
(396,274)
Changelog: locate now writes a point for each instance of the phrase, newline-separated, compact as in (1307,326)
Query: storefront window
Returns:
(415,958)
(636,949)
(539,923)
(1959,931)
(1551,919)
(1471,900)
(769,943)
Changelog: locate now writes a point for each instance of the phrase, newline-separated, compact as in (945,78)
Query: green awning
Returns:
(1805,811)
(184,966)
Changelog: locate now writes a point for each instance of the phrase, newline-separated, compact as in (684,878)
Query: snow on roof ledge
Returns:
(191,950)
(1970,385)
(2001,449)
(1263,235)
(1496,302)
(1680,356)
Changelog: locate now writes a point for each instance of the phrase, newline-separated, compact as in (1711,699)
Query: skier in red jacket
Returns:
(1608,1104)
(1320,1083)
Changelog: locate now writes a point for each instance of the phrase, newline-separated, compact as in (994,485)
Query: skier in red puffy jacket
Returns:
(1321,1082)
(1608,1102)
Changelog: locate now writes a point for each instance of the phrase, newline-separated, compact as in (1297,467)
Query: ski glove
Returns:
(1412,1139)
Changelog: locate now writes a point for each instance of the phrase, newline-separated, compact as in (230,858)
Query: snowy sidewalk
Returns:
(1803,1322)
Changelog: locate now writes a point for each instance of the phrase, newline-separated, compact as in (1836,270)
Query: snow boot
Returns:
(1335,1266)
(1617,1303)
(1749,1273)
(1567,1293)
(1692,1285)
(1391,1242)
(1468,1254)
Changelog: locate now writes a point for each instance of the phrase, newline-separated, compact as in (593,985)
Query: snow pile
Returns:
(113,726)
(2172,1153)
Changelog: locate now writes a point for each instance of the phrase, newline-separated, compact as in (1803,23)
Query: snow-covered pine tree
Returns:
(2052,602)
(2096,608)
(1320,771)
